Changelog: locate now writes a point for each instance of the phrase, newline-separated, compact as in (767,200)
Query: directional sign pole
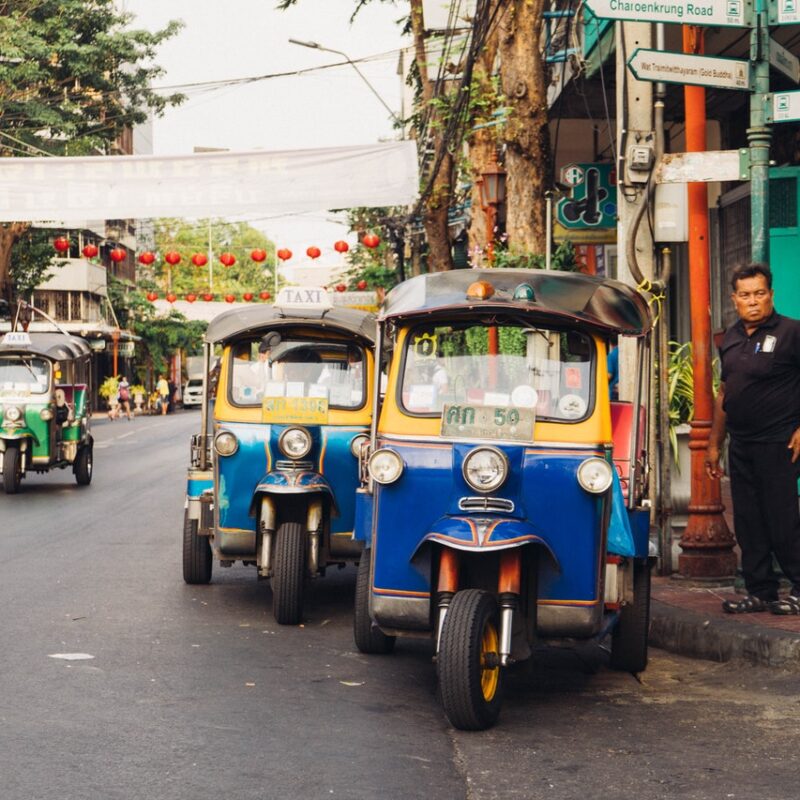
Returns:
(758,137)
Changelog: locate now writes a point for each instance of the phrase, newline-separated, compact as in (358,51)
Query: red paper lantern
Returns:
(90,251)
(371,240)
(117,255)
(313,252)
(228,259)
(208,297)
(284,254)
(171,297)
(340,287)
(229,298)
(264,295)
(191,297)
(361,285)
(341,246)
(147,258)
(258,255)
(61,244)
(247,296)
(172,258)
(199,259)
(151,296)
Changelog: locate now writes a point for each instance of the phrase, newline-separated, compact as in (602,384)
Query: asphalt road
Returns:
(195,692)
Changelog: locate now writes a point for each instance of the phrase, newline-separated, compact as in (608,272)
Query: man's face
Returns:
(753,300)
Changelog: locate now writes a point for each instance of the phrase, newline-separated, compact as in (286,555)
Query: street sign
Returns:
(660,65)
(703,167)
(784,12)
(784,61)
(785,107)
(592,201)
(728,13)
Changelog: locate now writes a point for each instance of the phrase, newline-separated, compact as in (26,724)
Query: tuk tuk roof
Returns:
(54,346)
(240,321)
(597,303)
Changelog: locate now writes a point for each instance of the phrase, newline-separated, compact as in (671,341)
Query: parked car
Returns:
(193,392)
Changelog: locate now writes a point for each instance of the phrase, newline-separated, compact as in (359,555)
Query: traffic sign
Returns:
(784,61)
(660,65)
(728,13)
(784,12)
(785,107)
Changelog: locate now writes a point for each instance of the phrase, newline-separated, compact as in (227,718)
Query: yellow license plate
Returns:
(308,410)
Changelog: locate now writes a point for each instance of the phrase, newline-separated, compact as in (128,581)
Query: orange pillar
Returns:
(707,543)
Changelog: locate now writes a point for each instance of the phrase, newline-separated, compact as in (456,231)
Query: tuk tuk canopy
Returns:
(53,346)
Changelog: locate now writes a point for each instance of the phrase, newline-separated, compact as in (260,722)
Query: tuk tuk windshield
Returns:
(298,367)
(544,370)
(24,375)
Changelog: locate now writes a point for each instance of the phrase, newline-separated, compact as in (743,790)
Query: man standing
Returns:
(759,406)
(162,387)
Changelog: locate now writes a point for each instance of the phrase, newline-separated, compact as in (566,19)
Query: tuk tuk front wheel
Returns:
(470,677)
(83,466)
(288,573)
(197,559)
(629,637)
(370,639)
(12,470)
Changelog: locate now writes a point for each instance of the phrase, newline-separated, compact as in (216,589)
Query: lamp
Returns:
(493,186)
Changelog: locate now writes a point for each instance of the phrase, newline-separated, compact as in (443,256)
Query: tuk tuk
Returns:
(44,406)
(273,483)
(504,498)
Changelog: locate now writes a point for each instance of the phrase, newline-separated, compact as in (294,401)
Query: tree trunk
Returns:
(526,134)
(9,236)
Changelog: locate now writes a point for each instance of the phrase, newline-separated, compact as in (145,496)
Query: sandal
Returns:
(786,605)
(747,605)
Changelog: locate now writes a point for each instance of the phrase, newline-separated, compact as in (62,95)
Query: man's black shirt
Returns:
(761,374)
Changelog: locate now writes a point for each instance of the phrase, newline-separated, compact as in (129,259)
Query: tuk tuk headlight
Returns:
(485,469)
(12,413)
(595,475)
(225,443)
(357,443)
(385,466)
(295,442)
(46,413)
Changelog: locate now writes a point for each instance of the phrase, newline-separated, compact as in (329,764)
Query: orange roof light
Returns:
(480,290)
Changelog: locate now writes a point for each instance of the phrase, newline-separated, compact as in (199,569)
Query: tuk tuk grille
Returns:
(497,504)
(290,466)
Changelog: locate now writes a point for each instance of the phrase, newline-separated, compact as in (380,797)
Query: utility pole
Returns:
(759,135)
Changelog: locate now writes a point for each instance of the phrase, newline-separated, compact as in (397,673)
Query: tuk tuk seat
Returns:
(621,424)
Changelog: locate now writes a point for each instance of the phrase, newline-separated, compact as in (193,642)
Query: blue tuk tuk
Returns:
(274,471)
(504,502)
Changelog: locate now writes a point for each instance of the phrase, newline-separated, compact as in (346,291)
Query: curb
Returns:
(698,636)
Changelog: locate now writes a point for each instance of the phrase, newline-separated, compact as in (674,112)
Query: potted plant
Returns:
(108,390)
(138,391)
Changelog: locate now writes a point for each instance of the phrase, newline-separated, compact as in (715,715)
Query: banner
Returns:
(208,184)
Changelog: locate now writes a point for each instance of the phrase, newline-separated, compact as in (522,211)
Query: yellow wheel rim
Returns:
(490,676)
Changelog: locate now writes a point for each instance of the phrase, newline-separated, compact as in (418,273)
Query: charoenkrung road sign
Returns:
(660,65)
(730,13)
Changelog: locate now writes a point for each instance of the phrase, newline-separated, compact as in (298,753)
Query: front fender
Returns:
(293,482)
(22,436)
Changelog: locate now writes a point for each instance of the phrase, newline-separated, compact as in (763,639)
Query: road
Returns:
(195,692)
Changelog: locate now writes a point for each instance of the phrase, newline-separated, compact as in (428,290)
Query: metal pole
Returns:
(210,260)
(548,225)
(758,137)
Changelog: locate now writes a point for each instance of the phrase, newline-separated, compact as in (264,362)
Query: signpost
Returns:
(660,65)
(784,12)
(784,61)
(785,107)
(727,13)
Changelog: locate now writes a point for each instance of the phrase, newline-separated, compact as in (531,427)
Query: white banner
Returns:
(208,184)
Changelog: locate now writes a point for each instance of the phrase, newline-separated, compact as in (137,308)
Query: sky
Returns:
(234,39)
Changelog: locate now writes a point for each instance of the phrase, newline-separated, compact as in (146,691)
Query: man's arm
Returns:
(717,436)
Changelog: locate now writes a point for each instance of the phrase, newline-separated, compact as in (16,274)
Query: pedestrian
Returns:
(173,395)
(124,397)
(759,406)
(162,387)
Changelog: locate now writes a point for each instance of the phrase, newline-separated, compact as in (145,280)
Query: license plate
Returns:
(488,422)
(308,410)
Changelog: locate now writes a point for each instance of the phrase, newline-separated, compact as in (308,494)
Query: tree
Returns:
(74,75)
(32,260)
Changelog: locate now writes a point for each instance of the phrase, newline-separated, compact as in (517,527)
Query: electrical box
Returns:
(639,163)
(671,216)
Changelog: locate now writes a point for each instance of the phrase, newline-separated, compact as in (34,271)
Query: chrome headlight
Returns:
(46,413)
(485,469)
(385,466)
(295,442)
(595,475)
(12,413)
(357,443)
(225,443)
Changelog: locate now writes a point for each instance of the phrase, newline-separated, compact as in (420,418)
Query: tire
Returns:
(12,470)
(289,573)
(369,638)
(629,638)
(83,465)
(471,693)
(197,558)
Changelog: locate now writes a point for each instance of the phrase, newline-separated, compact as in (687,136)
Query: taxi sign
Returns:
(303,297)
(17,339)
(307,410)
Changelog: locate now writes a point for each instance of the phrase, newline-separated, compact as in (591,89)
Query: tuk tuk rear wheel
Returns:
(197,558)
(288,573)
(470,677)
(83,466)
(370,639)
(12,470)
(629,637)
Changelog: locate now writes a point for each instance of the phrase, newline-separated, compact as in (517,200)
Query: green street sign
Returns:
(783,12)
(666,67)
(785,107)
(726,13)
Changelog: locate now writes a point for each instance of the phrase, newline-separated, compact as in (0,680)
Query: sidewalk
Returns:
(690,621)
